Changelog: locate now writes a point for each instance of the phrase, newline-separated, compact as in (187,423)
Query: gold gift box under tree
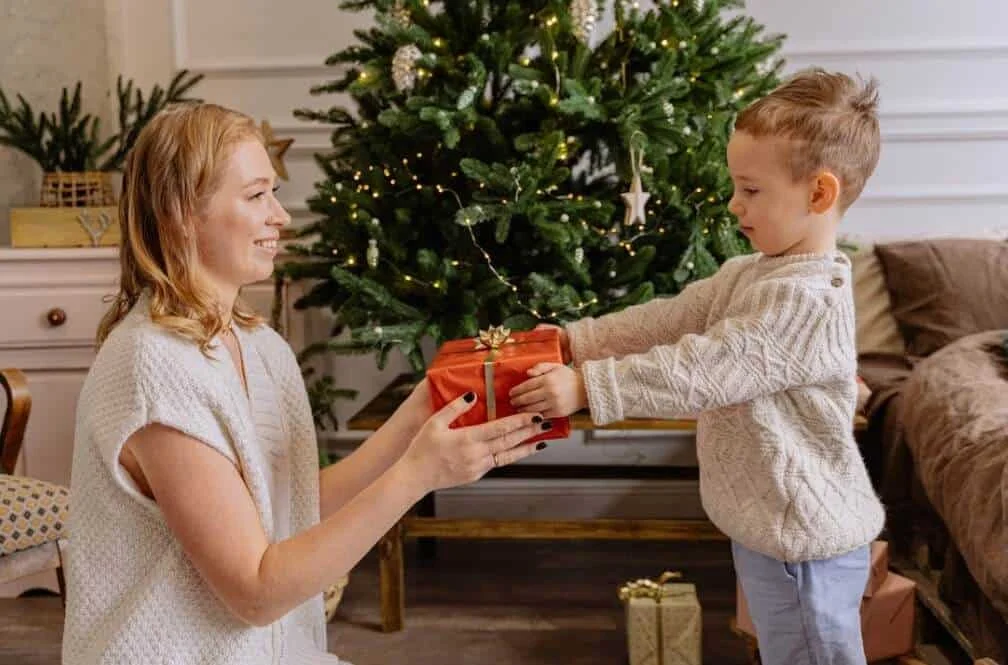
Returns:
(663,621)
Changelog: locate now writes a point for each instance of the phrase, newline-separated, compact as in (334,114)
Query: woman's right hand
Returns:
(443,457)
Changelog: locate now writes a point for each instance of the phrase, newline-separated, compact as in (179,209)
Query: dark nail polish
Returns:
(536,420)
(546,426)
(541,445)
(469,397)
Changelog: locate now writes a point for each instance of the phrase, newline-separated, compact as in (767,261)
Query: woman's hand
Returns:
(443,457)
(415,409)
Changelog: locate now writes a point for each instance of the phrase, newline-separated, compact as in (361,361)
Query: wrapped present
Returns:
(491,365)
(887,618)
(663,622)
(879,567)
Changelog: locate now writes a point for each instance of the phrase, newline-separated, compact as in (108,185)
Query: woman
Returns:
(202,530)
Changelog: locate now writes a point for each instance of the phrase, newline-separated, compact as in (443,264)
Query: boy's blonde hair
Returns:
(170,174)
(830,121)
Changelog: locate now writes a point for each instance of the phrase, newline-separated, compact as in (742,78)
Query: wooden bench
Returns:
(390,548)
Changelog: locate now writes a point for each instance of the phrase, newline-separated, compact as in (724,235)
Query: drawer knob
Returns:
(56,316)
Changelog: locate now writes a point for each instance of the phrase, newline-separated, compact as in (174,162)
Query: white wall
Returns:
(45,46)
(944,110)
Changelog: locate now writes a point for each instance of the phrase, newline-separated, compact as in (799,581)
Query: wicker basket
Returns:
(77,190)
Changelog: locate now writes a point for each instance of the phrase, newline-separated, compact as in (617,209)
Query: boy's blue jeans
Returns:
(806,613)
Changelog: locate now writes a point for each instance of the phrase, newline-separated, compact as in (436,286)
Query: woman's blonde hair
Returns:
(170,174)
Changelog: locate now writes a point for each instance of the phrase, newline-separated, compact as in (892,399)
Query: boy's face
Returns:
(773,210)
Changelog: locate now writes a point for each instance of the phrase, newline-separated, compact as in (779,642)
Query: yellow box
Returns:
(65,227)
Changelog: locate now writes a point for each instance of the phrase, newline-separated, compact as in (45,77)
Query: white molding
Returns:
(913,134)
(292,66)
(288,66)
(925,48)
(938,194)
(180,36)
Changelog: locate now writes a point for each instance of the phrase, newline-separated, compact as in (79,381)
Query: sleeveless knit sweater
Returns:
(763,352)
(133,595)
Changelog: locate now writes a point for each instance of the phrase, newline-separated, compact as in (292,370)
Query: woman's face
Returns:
(237,236)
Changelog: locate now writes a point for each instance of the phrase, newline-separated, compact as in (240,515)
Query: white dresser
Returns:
(51,301)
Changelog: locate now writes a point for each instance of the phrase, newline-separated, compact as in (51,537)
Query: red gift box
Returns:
(887,618)
(491,365)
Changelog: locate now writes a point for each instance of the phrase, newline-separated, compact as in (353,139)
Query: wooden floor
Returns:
(507,603)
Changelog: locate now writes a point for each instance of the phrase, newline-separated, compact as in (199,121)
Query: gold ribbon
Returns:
(654,589)
(492,339)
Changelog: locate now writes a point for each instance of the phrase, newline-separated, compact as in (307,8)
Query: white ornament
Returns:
(378,331)
(372,253)
(715,50)
(687,131)
(579,255)
(565,218)
(375,221)
(636,198)
(400,14)
(612,274)
(404,70)
(584,14)
(683,44)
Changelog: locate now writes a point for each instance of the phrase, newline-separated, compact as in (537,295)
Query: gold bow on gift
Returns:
(645,588)
(493,338)
(656,590)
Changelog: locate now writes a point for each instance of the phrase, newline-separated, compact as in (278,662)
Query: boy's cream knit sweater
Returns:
(764,352)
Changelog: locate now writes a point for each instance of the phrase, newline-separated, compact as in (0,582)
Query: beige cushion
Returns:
(31,512)
(875,325)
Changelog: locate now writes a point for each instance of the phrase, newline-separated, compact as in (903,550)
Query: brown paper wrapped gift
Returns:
(663,621)
(887,618)
(879,567)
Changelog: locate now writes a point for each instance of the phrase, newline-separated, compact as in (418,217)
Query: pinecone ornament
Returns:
(584,14)
(404,69)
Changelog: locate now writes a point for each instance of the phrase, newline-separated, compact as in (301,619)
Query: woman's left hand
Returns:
(416,408)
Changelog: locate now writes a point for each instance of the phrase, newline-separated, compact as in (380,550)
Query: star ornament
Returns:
(635,200)
(276,148)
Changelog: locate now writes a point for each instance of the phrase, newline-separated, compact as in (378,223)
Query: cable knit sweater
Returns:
(764,352)
(133,595)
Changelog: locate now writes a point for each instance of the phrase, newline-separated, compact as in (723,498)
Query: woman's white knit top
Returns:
(133,595)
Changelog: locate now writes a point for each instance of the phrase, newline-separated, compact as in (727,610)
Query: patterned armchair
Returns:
(32,512)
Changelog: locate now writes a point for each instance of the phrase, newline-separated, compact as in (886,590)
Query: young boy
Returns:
(764,352)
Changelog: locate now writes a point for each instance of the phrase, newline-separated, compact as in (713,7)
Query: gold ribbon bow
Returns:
(656,590)
(493,338)
(645,588)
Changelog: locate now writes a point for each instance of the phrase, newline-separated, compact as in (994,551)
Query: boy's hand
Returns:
(564,340)
(554,390)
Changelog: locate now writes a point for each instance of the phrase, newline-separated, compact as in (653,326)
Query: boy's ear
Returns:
(825,192)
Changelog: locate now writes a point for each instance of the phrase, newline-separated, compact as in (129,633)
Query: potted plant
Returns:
(77,160)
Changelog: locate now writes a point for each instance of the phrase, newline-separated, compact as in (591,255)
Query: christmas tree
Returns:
(504,164)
